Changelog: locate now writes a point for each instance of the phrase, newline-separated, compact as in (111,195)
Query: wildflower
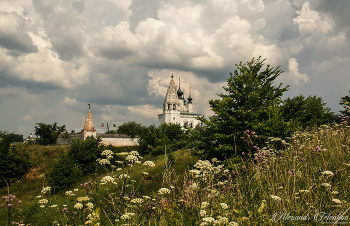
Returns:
(204,224)
(326,185)
(90,205)
(53,206)
(83,199)
(203,213)
(289,172)
(172,187)
(137,201)
(124,176)
(163,191)
(304,191)
(75,189)
(336,201)
(43,201)
(214,160)
(226,171)
(88,222)
(69,193)
(224,206)
(107,179)
(127,216)
(334,193)
(204,205)
(46,190)
(38,197)
(145,173)
(193,186)
(233,224)
(131,158)
(119,169)
(208,219)
(146,197)
(277,198)
(221,220)
(149,163)
(78,206)
(327,173)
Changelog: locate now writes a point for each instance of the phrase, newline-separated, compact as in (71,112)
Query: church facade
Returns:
(176,110)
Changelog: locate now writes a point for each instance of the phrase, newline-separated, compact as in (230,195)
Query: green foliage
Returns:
(48,133)
(154,139)
(14,162)
(65,173)
(251,102)
(111,132)
(131,128)
(345,102)
(85,153)
(309,112)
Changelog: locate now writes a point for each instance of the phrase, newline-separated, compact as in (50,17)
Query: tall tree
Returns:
(345,102)
(250,102)
(131,128)
(310,111)
(48,133)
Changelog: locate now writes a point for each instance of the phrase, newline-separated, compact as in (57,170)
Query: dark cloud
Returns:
(19,42)
(338,10)
(79,6)
(115,53)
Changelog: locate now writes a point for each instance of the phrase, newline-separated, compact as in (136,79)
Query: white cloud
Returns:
(293,74)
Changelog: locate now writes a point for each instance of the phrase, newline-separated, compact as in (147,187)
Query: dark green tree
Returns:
(14,162)
(345,102)
(85,153)
(250,102)
(131,128)
(48,133)
(310,111)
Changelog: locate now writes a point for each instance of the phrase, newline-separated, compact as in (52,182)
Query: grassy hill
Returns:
(305,181)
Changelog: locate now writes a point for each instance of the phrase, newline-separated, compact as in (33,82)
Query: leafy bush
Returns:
(48,133)
(14,162)
(64,173)
(85,153)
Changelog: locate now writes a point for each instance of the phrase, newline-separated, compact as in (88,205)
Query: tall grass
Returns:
(305,181)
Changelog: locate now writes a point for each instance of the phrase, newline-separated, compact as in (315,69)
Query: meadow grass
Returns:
(305,181)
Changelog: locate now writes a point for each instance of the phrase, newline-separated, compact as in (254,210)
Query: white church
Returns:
(175,109)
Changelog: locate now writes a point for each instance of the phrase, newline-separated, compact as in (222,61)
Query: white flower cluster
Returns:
(221,221)
(103,161)
(46,190)
(108,153)
(90,205)
(203,213)
(149,163)
(208,219)
(233,224)
(135,153)
(334,192)
(275,197)
(193,186)
(326,185)
(131,158)
(53,206)
(137,201)
(127,216)
(224,206)
(146,197)
(124,176)
(204,205)
(43,201)
(327,173)
(69,193)
(163,191)
(206,166)
(78,206)
(336,201)
(108,179)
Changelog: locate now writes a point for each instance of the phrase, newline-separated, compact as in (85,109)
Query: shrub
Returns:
(64,173)
(14,162)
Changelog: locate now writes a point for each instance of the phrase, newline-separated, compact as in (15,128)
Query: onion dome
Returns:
(179,91)
(190,98)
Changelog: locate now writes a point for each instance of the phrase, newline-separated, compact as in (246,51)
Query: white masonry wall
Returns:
(120,141)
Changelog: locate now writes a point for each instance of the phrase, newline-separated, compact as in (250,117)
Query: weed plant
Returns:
(298,180)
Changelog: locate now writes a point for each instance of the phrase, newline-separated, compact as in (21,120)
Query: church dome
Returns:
(179,92)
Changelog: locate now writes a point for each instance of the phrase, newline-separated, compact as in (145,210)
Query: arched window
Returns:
(169,106)
(174,106)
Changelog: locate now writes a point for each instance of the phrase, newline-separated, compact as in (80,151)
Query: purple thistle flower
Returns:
(243,153)
(290,172)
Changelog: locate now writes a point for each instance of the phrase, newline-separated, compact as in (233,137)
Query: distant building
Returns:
(89,130)
(175,109)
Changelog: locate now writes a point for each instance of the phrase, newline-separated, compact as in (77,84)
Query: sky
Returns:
(56,56)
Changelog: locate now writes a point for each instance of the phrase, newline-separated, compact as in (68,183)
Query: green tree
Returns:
(13,162)
(48,133)
(310,111)
(131,128)
(345,102)
(251,102)
(85,153)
